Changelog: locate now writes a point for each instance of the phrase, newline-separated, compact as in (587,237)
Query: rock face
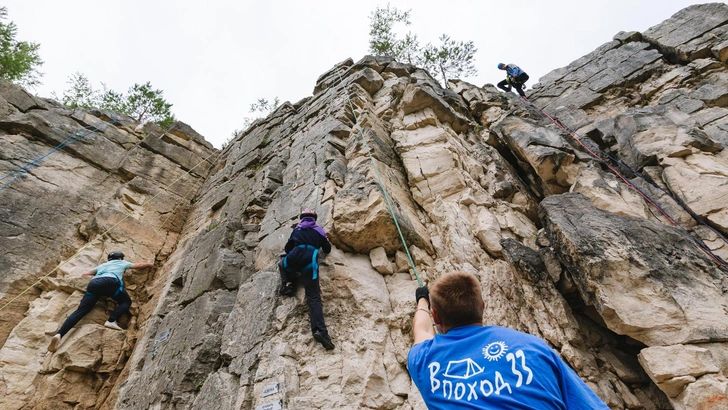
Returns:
(115,186)
(477,181)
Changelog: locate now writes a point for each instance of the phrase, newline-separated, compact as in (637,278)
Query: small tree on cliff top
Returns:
(384,42)
(141,102)
(448,60)
(261,108)
(144,103)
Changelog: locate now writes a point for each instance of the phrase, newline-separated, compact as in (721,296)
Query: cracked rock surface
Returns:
(478,181)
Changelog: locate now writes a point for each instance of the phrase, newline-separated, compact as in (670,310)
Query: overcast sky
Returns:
(214,58)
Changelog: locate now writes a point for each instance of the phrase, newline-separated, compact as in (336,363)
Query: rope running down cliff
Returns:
(646,197)
(20,171)
(379,178)
(127,216)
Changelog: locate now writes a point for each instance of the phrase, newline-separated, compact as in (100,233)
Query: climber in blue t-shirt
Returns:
(473,366)
(515,78)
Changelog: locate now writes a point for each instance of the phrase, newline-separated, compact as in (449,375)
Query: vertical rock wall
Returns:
(657,101)
(478,180)
(115,186)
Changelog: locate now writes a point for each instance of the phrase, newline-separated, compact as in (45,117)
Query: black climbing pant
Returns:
(313,295)
(505,85)
(104,286)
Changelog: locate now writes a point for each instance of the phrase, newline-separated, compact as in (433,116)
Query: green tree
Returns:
(141,102)
(262,108)
(80,93)
(112,100)
(382,39)
(448,60)
(19,60)
(408,50)
(144,104)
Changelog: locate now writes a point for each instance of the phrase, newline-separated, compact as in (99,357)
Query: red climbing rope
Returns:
(594,155)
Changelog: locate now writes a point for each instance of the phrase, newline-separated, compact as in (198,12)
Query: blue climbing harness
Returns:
(313,265)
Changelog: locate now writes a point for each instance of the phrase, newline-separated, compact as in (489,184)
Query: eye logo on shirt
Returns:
(494,351)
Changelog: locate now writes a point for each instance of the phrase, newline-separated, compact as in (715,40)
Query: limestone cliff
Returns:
(115,186)
(478,180)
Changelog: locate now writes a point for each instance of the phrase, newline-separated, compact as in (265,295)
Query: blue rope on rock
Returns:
(19,172)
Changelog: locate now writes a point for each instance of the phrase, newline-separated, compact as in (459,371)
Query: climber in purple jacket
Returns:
(301,252)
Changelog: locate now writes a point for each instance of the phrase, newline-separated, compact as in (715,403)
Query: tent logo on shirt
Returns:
(463,369)
(495,350)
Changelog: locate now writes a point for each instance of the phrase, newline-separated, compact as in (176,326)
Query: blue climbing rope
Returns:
(19,172)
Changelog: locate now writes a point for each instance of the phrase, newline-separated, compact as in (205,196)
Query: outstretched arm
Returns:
(422,322)
(91,272)
(141,265)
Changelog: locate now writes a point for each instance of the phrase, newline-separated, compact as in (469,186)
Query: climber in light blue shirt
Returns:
(112,269)
(107,281)
(471,366)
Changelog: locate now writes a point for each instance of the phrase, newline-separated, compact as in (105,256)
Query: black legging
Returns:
(506,85)
(313,296)
(105,286)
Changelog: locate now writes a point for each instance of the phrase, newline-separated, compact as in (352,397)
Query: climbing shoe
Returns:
(112,325)
(324,339)
(55,341)
(288,290)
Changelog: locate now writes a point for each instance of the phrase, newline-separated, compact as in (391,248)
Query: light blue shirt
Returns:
(112,269)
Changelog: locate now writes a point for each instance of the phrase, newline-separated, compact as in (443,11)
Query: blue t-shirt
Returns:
(513,70)
(492,367)
(112,269)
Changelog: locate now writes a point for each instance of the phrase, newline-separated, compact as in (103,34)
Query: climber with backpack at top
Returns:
(516,78)
(301,252)
(106,282)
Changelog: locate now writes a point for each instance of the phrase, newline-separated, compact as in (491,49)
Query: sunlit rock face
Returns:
(478,181)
